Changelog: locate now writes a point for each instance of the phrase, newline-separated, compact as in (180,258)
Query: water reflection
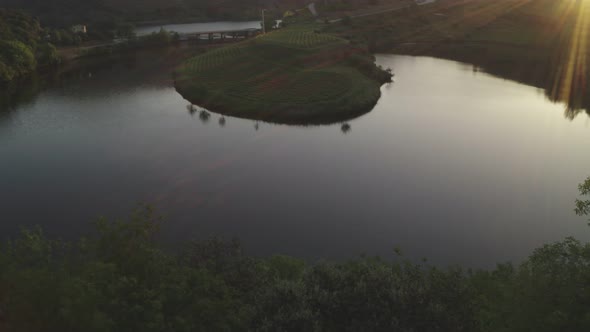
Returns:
(345,128)
(569,91)
(549,74)
(222,121)
(18,94)
(93,77)
(204,116)
(192,109)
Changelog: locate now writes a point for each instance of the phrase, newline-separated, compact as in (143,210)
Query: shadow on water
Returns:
(98,76)
(345,128)
(205,115)
(561,71)
(19,94)
(547,71)
(548,75)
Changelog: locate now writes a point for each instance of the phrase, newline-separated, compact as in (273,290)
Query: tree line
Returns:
(22,47)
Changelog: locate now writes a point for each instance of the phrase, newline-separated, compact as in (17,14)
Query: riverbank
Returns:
(527,41)
(295,75)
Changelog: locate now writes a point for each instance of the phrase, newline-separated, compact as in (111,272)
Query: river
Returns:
(453,164)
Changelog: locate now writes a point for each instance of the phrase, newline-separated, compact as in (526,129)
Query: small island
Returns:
(295,75)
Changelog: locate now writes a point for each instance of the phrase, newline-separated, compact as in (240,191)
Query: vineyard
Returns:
(293,75)
(301,38)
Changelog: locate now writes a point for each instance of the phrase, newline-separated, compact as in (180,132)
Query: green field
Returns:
(294,75)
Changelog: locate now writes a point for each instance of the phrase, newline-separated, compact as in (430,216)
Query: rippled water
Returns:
(452,164)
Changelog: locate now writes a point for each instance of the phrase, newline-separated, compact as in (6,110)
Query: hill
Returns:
(544,43)
(293,75)
(64,13)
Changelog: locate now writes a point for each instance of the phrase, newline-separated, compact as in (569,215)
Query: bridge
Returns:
(220,35)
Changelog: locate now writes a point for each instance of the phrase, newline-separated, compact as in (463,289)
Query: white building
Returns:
(79,28)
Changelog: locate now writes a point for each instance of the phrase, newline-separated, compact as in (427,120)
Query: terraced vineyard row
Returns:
(301,89)
(301,38)
(215,58)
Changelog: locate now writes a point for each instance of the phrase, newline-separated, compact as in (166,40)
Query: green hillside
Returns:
(294,75)
(532,41)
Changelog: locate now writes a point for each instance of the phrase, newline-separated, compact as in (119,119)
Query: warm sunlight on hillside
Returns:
(572,71)
(559,25)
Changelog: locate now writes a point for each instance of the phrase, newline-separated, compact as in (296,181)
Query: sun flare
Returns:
(571,75)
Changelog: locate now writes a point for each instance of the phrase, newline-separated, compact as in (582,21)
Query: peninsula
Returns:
(294,75)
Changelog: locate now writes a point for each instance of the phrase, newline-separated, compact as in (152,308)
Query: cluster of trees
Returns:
(21,46)
(120,280)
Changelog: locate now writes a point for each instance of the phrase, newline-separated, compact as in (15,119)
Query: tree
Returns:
(583,206)
(126,30)
(346,20)
(269,22)
(47,54)
(6,74)
(17,57)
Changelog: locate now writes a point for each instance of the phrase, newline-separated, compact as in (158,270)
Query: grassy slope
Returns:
(524,40)
(293,75)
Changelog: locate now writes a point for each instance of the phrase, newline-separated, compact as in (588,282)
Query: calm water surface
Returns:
(452,164)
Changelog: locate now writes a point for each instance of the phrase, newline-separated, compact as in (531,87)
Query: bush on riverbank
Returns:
(120,280)
(21,46)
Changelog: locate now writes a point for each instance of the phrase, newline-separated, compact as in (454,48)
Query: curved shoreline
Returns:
(286,116)
(291,76)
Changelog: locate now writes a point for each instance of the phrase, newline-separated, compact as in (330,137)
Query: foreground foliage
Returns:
(120,280)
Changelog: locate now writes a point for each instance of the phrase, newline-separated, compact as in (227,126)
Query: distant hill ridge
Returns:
(68,12)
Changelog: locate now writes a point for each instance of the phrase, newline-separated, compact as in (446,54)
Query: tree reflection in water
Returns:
(345,128)
(204,116)
(192,109)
